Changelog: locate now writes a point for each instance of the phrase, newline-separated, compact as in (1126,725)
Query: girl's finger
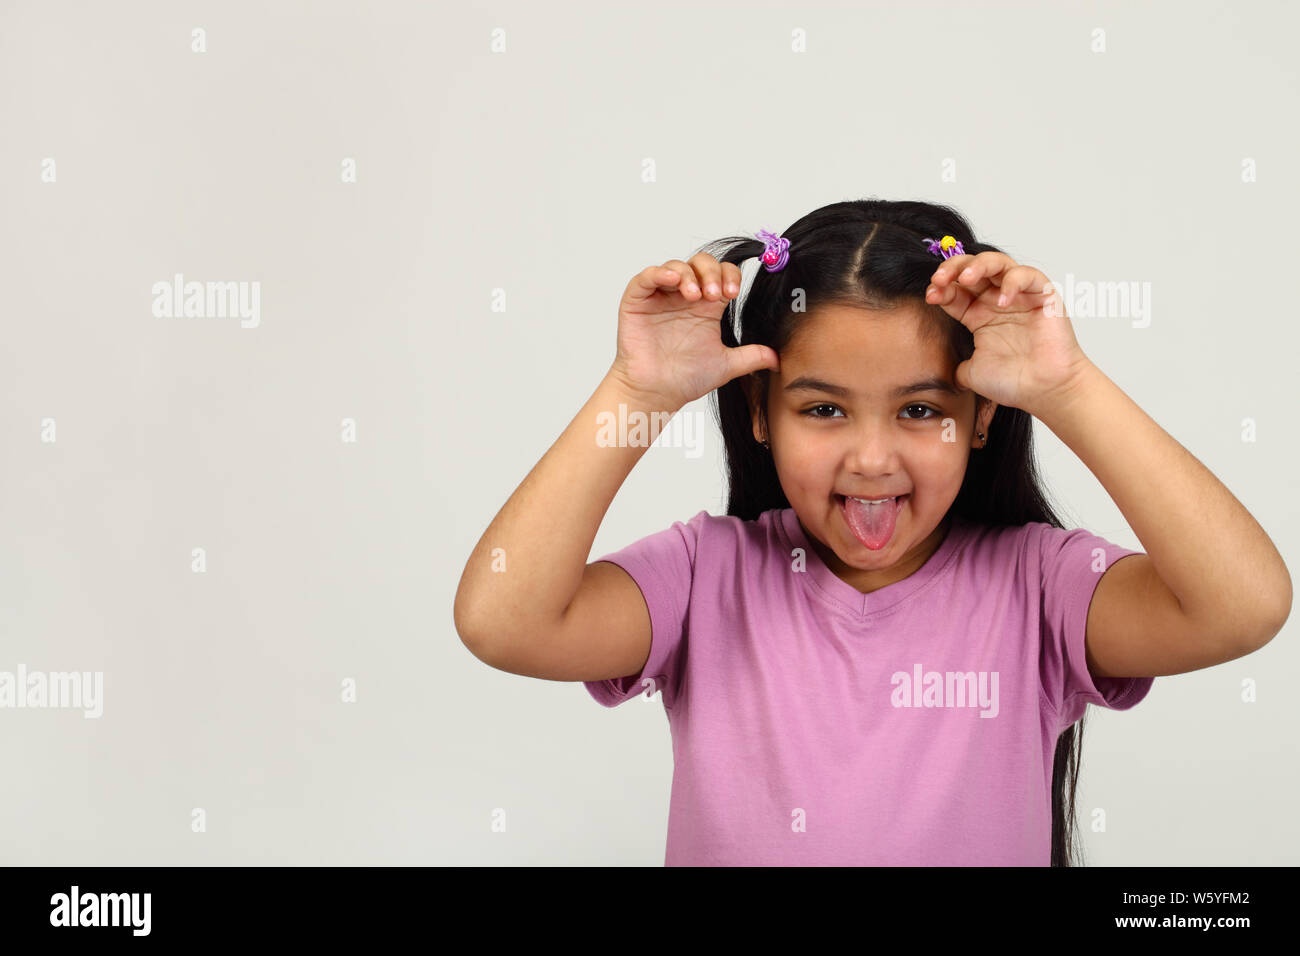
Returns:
(689,287)
(651,280)
(710,272)
(986,269)
(948,268)
(943,289)
(730,279)
(1021,279)
(952,297)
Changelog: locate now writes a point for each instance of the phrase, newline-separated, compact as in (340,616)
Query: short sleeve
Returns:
(1072,565)
(663,566)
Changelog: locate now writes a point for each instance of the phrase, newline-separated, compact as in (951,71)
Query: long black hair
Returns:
(870,253)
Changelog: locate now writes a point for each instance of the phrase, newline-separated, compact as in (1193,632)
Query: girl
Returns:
(882,654)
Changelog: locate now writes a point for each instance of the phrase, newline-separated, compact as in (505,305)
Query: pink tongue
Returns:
(872,524)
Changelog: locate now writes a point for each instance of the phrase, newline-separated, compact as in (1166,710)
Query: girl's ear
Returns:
(984,416)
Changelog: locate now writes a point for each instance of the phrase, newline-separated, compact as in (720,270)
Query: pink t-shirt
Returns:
(915,725)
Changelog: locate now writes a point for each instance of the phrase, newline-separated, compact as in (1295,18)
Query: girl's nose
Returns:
(872,451)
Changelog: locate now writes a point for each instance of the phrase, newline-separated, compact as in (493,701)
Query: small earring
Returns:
(981,438)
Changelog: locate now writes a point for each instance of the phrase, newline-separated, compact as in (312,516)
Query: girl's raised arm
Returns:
(528,602)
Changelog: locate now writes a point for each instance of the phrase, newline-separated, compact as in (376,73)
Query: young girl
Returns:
(882,654)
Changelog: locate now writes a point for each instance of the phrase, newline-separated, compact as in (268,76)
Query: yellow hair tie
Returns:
(946,247)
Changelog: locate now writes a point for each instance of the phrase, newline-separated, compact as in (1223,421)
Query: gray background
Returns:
(521,171)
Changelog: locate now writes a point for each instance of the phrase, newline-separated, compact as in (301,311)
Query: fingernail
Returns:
(713,289)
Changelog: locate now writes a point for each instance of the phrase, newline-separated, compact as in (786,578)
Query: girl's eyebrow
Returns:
(807,383)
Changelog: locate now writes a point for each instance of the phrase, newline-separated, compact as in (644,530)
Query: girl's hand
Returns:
(669,332)
(1025,349)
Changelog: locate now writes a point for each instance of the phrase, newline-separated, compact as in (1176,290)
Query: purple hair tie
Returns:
(946,247)
(777,252)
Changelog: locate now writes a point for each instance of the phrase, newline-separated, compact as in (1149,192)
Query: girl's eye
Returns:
(811,412)
(924,408)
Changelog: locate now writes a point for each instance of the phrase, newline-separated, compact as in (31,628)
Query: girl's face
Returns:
(864,406)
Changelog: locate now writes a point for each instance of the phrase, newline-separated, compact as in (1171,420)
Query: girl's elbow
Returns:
(1283,609)
(1271,627)
(1275,602)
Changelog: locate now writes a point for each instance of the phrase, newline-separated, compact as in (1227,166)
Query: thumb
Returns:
(744,359)
(962,374)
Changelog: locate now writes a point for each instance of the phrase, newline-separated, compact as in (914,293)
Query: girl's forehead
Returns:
(839,318)
(845,334)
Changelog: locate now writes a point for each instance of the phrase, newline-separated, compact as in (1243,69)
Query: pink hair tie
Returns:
(946,247)
(777,252)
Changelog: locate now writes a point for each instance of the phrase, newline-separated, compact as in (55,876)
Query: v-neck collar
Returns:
(825,583)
